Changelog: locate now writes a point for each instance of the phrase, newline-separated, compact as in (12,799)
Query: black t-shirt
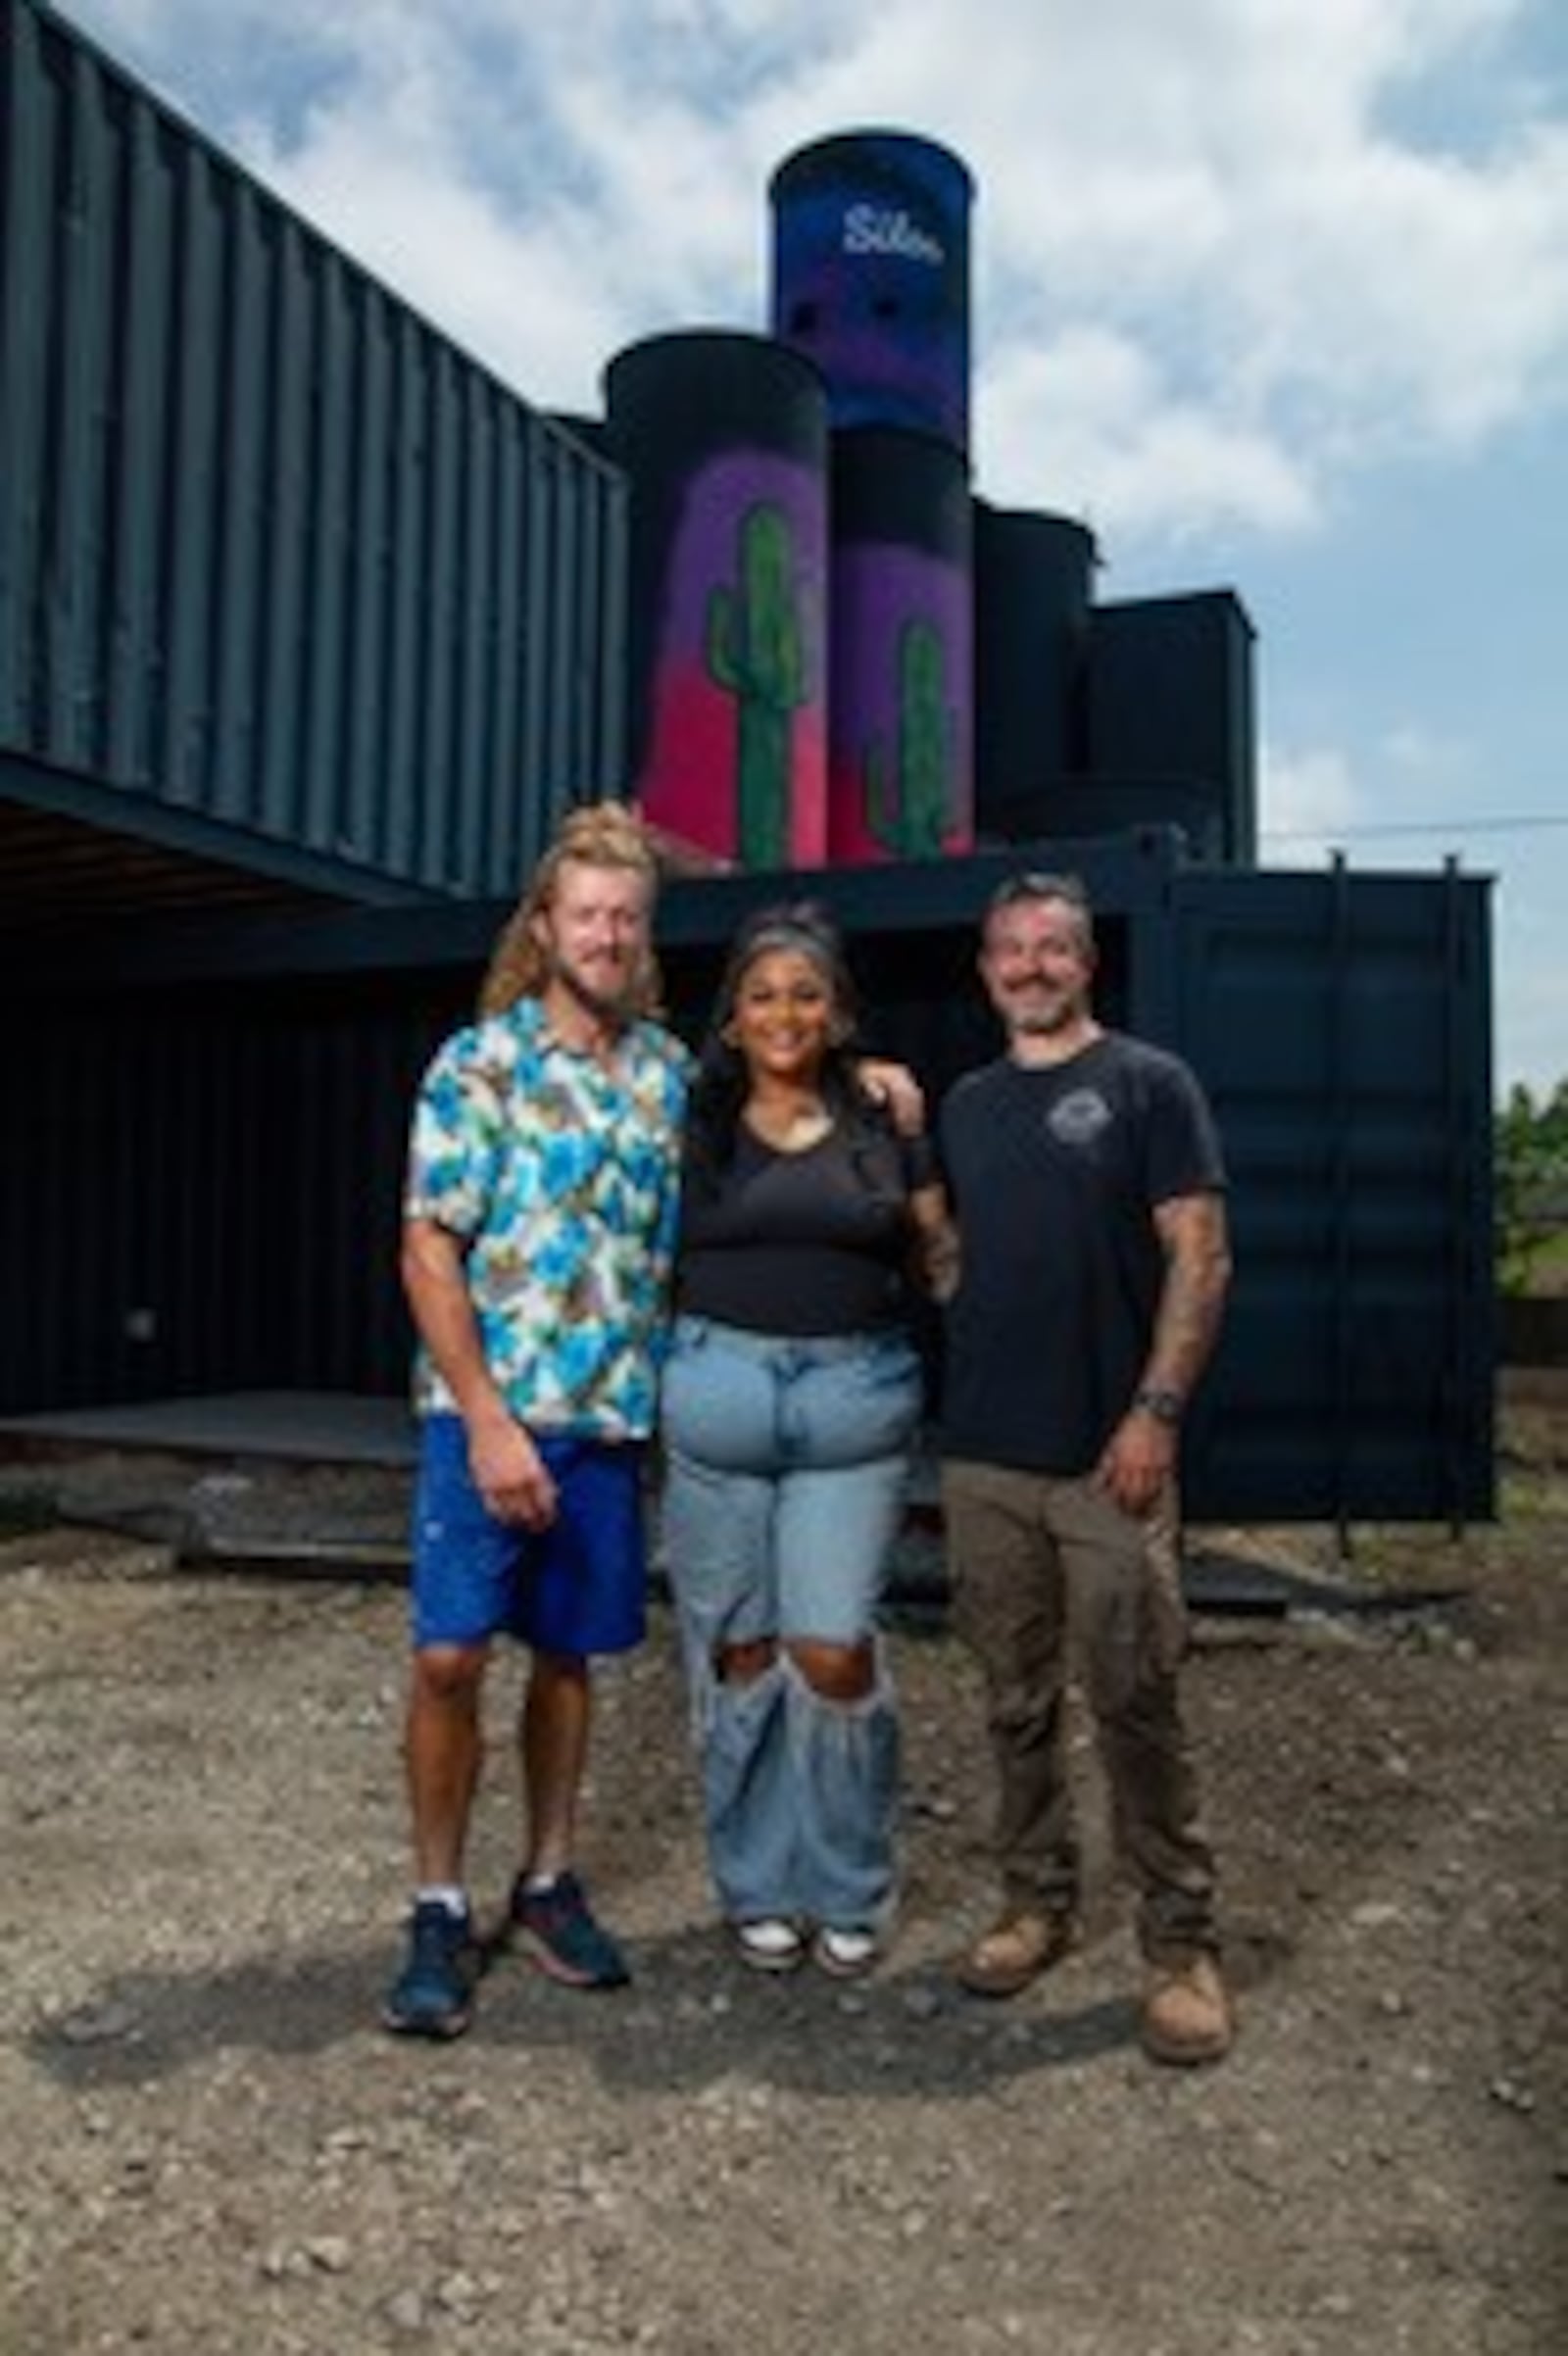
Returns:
(1055,1173)
(810,1244)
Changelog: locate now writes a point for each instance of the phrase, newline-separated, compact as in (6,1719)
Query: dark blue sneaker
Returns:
(556,1930)
(433,1993)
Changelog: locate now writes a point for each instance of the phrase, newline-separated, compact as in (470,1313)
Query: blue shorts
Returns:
(577,1588)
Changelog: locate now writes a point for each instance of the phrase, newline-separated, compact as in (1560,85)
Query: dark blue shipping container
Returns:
(277,561)
(1342,1025)
(209,1199)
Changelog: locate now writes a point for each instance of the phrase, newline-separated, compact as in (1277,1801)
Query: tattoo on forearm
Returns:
(1187,1324)
(1193,1300)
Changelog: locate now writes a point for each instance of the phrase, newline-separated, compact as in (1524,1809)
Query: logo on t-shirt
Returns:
(1079,1117)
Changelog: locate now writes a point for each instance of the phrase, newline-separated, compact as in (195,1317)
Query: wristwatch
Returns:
(1165,1406)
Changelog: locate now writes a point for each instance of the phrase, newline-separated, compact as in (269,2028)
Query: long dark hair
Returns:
(720,1087)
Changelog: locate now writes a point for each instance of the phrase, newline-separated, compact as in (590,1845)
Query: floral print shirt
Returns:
(561,1177)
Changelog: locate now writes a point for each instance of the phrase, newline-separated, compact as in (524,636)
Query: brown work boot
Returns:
(1188,2015)
(1017,1950)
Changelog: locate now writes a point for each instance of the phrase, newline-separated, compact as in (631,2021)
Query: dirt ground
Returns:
(209,2147)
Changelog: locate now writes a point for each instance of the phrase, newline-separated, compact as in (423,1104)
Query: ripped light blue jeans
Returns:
(786,1465)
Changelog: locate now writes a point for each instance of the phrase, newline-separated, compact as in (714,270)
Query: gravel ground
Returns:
(211,2147)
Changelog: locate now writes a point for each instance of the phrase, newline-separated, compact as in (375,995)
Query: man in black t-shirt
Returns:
(1089,1190)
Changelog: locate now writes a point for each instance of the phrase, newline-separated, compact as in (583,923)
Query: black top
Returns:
(813,1243)
(1055,1174)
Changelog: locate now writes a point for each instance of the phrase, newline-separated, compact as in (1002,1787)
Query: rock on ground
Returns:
(211,2147)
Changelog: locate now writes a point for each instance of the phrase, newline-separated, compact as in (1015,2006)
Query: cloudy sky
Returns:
(1272,295)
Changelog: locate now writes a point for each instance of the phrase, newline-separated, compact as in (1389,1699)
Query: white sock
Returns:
(449,1895)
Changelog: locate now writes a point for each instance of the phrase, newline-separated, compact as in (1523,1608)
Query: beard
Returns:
(1042,1020)
(606,1000)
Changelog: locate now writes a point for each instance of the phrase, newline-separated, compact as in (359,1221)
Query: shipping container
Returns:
(209,1198)
(277,560)
(1343,1024)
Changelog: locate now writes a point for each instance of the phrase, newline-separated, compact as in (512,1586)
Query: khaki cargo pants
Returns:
(1032,1556)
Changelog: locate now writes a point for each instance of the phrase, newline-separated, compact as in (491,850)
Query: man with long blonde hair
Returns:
(540,1214)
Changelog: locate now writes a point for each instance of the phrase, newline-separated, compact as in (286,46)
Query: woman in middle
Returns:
(791,1398)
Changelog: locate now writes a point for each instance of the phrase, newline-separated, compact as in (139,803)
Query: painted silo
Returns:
(1033,584)
(902,698)
(871,277)
(723,439)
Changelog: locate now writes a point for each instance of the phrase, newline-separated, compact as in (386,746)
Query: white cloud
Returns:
(1239,267)
(1308,801)
(444,244)
(1218,263)
(1091,421)
(1429,762)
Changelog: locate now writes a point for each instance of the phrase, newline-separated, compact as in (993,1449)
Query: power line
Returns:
(1520,824)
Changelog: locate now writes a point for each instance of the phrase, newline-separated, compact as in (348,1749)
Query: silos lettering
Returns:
(867,230)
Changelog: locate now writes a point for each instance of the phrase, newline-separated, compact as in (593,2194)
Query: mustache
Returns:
(630,966)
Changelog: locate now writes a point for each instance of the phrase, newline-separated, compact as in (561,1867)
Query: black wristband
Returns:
(1165,1406)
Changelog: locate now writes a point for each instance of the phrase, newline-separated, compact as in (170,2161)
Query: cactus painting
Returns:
(754,648)
(909,806)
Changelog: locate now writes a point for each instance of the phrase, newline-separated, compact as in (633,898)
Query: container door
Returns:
(1342,1026)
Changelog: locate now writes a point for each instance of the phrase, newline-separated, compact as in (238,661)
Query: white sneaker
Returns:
(769,1943)
(845,1954)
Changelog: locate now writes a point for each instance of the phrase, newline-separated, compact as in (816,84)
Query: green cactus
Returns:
(755,652)
(908,812)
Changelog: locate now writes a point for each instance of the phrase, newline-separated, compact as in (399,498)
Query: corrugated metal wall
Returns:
(1343,1024)
(270,549)
(205,1196)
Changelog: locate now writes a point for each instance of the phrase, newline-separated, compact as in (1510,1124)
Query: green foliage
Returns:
(909,813)
(757,652)
(1531,1177)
